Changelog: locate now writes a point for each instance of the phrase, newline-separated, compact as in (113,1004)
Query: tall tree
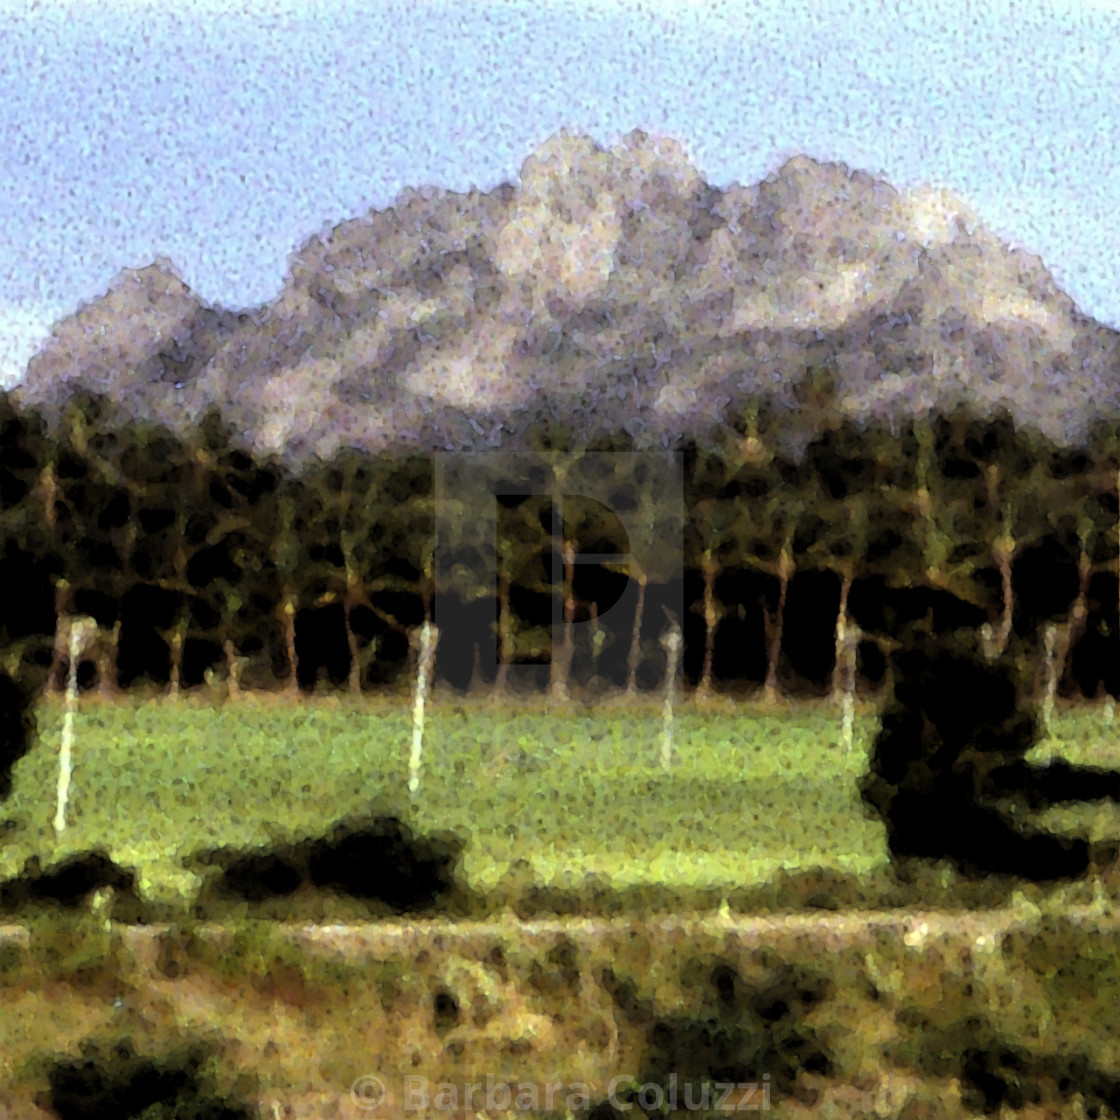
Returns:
(776,520)
(1103,446)
(850,468)
(524,561)
(775,623)
(159,465)
(712,540)
(230,537)
(24,545)
(287,556)
(352,496)
(945,504)
(88,512)
(1011,470)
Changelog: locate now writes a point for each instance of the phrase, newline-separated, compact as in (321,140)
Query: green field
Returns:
(749,793)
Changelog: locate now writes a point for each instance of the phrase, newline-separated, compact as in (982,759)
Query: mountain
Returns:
(134,344)
(613,288)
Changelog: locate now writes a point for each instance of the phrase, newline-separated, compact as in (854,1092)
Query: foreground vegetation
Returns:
(251,1022)
(248,1018)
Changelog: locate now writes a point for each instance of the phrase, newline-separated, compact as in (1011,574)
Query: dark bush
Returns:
(70,884)
(17,728)
(114,1083)
(950,753)
(743,1033)
(376,860)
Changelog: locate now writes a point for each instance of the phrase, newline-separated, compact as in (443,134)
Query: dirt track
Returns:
(835,929)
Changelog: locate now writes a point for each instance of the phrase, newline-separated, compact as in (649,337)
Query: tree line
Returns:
(200,563)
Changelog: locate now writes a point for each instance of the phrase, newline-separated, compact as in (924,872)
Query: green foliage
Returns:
(75,948)
(750,795)
(13,961)
(256,952)
(1080,973)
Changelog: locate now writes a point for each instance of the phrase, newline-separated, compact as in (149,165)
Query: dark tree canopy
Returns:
(17,728)
(949,757)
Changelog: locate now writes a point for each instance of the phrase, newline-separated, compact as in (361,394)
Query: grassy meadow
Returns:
(572,793)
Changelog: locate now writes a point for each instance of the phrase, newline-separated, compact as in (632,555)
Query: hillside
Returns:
(616,289)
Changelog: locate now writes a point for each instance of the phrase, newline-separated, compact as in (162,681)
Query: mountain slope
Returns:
(614,288)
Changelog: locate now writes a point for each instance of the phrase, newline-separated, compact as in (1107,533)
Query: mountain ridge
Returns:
(614,287)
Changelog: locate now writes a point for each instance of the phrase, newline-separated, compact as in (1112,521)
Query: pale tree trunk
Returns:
(562,660)
(712,616)
(1050,645)
(634,657)
(505,640)
(477,682)
(598,637)
(355,594)
(178,638)
(1003,550)
(80,633)
(423,641)
(65,750)
(989,642)
(671,643)
(841,638)
(785,570)
(848,635)
(48,494)
(1059,639)
(182,624)
(848,705)
(427,588)
(97,645)
(289,613)
(62,615)
(235,663)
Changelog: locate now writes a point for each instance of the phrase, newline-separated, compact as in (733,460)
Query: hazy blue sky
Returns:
(221,135)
